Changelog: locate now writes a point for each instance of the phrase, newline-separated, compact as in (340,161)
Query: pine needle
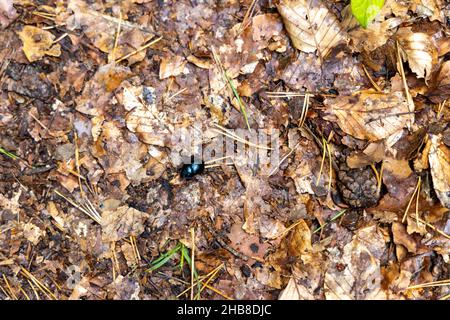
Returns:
(8,154)
(409,99)
(231,135)
(38,284)
(89,209)
(432,227)
(438,283)
(374,84)
(340,213)
(411,200)
(192,231)
(138,50)
(247,17)
(231,86)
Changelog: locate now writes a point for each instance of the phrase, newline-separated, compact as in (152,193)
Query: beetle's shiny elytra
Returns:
(188,171)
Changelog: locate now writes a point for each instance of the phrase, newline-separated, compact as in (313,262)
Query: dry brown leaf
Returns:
(56,214)
(419,50)
(373,153)
(97,91)
(271,228)
(401,237)
(439,158)
(428,8)
(101,29)
(144,118)
(11,204)
(307,278)
(400,169)
(294,292)
(356,274)
(38,43)
(268,277)
(375,35)
(441,90)
(171,66)
(299,240)
(33,233)
(245,243)
(305,170)
(311,26)
(201,63)
(122,223)
(368,115)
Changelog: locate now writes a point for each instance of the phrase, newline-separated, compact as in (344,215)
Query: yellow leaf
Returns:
(38,43)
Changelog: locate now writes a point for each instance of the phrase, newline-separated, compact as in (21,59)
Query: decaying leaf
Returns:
(356,274)
(440,91)
(7,13)
(420,51)
(121,223)
(32,233)
(37,43)
(428,8)
(401,237)
(247,244)
(101,29)
(144,118)
(439,158)
(375,34)
(171,66)
(368,115)
(311,26)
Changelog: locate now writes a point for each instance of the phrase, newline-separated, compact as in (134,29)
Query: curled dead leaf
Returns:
(439,158)
(401,237)
(420,51)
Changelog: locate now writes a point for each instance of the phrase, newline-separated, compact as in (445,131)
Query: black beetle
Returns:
(188,171)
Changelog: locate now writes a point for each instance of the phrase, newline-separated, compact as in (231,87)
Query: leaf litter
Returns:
(94,92)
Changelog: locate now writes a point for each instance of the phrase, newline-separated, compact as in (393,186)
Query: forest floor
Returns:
(337,184)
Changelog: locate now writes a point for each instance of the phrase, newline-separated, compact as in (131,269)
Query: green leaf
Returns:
(162,260)
(366,10)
